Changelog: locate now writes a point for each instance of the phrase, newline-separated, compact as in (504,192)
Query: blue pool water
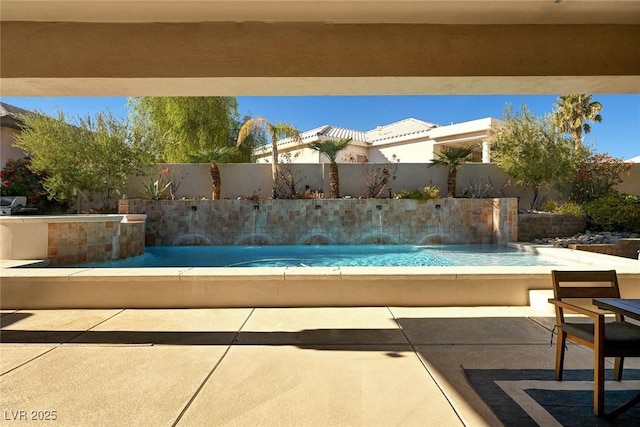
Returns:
(330,255)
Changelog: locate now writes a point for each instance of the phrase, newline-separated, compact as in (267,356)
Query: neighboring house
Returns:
(635,159)
(409,140)
(10,126)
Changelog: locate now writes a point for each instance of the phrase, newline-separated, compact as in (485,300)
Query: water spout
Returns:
(256,207)
(378,207)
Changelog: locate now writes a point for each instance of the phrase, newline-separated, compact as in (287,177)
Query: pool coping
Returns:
(183,287)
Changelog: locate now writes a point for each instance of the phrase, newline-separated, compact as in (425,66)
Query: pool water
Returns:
(329,255)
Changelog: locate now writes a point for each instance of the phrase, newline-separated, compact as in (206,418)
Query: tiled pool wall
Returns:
(73,239)
(344,221)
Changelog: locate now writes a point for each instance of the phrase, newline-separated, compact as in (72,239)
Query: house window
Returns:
(475,157)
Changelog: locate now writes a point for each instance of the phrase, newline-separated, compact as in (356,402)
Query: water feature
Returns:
(379,209)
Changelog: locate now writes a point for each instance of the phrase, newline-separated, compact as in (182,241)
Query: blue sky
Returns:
(618,134)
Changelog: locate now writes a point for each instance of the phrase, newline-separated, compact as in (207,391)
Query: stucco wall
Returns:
(243,180)
(7,150)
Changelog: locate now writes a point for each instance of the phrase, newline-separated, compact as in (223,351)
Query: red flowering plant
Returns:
(16,179)
(597,177)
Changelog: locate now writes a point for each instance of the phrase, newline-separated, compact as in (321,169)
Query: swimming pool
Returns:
(329,256)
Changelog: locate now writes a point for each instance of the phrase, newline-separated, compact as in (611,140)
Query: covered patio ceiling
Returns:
(324,47)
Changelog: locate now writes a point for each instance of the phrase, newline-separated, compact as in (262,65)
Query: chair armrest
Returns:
(577,309)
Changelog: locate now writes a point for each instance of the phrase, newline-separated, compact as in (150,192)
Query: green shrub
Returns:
(567,208)
(615,212)
(570,208)
(429,192)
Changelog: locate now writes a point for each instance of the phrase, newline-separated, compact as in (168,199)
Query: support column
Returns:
(486,152)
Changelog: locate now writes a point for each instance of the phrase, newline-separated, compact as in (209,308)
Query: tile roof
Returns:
(10,115)
(11,110)
(398,129)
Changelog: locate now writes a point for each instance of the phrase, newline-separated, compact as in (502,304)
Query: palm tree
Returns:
(277,131)
(331,148)
(214,156)
(572,114)
(452,158)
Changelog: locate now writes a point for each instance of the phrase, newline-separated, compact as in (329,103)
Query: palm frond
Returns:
(216,154)
(331,147)
(250,126)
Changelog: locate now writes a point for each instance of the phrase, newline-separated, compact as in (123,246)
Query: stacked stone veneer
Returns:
(105,238)
(343,221)
(71,239)
(543,225)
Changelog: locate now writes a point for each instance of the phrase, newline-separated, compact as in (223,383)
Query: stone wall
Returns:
(77,242)
(627,248)
(72,239)
(541,225)
(343,221)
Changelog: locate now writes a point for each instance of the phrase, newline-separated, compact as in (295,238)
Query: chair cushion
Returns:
(617,335)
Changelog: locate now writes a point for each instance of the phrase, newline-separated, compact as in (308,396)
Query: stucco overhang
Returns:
(323,47)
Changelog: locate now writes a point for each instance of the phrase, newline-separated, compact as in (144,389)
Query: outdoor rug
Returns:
(532,397)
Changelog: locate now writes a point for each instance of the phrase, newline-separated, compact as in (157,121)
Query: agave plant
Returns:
(155,189)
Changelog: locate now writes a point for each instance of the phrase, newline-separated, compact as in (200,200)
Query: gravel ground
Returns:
(587,238)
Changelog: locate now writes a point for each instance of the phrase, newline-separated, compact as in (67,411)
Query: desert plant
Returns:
(597,177)
(566,208)
(615,212)
(376,178)
(174,180)
(452,159)
(479,189)
(331,148)
(154,189)
(289,177)
(572,114)
(429,192)
(529,149)
(279,130)
(213,156)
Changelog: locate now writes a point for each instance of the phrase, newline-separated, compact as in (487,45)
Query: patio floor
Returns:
(364,366)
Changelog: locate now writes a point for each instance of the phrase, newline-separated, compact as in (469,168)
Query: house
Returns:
(409,140)
(10,126)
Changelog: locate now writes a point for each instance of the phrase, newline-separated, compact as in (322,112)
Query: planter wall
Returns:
(343,221)
(543,225)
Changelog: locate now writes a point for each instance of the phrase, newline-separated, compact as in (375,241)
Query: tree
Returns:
(174,128)
(92,156)
(597,177)
(191,129)
(530,150)
(275,132)
(573,114)
(213,157)
(331,148)
(452,159)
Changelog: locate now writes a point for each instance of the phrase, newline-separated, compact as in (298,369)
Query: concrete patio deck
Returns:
(364,366)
